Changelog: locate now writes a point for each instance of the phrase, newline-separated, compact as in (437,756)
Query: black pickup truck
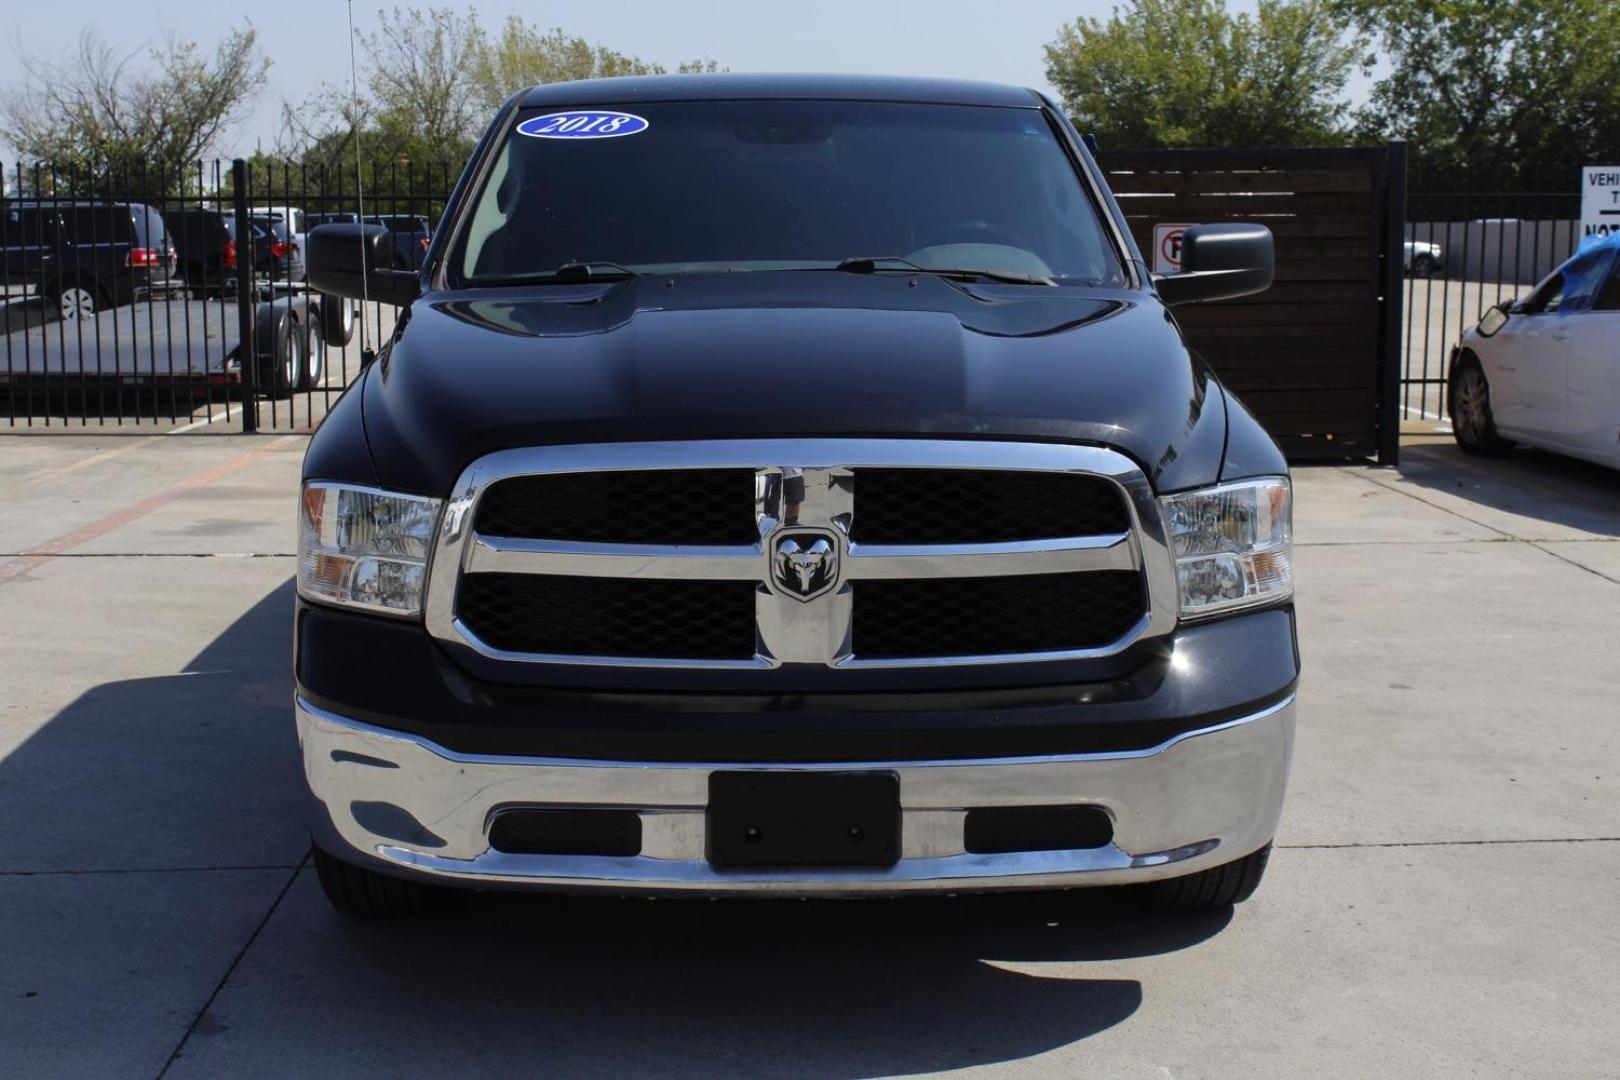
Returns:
(790,486)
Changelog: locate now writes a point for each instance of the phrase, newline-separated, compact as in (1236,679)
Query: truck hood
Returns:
(782,355)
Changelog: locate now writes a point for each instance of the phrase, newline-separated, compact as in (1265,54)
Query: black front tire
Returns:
(1215,888)
(337,320)
(1424,266)
(1473,424)
(366,894)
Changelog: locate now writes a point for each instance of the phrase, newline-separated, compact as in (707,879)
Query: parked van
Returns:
(84,256)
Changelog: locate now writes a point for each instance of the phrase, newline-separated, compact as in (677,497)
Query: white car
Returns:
(1545,370)
(293,218)
(1422,257)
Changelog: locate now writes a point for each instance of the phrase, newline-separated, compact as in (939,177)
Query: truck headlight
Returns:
(364,548)
(1233,545)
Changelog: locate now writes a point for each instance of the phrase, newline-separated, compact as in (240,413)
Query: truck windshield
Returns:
(788,185)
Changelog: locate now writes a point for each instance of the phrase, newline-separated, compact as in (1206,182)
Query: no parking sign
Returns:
(1600,200)
(1167,248)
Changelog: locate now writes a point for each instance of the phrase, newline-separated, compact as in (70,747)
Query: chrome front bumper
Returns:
(407,805)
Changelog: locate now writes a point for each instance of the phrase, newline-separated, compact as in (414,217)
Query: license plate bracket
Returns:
(803,820)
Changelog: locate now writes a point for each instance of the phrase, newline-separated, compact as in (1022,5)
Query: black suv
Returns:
(275,250)
(84,256)
(790,486)
(206,247)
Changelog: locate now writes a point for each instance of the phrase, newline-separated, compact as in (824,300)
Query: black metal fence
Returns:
(175,300)
(104,327)
(1464,253)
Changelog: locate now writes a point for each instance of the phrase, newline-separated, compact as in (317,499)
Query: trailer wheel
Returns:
(314,356)
(337,320)
(286,367)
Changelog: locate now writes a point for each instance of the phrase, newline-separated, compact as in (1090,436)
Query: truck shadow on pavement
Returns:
(690,987)
(200,769)
(1537,484)
(177,771)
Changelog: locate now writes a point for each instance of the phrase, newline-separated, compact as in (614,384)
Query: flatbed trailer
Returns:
(163,339)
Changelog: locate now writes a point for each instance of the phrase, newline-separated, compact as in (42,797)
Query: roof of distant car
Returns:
(49,202)
(723,87)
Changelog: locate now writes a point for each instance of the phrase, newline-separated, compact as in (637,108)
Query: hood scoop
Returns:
(572,310)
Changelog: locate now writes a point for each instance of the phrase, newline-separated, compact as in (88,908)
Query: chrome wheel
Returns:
(292,362)
(313,359)
(1470,408)
(1472,423)
(76,303)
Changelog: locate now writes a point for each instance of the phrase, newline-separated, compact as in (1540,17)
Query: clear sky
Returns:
(306,39)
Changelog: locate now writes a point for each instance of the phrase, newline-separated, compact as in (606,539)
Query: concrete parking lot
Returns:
(1441,902)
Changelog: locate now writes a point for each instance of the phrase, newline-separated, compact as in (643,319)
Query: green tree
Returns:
(413,121)
(1190,73)
(524,55)
(421,99)
(430,78)
(102,109)
(1495,95)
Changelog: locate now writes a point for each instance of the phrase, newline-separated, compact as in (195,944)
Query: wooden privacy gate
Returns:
(1316,357)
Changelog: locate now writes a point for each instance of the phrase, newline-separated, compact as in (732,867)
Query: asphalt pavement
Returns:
(1441,901)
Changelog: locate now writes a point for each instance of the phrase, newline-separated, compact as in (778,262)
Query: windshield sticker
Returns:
(583,124)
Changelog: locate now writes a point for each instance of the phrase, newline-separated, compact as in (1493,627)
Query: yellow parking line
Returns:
(34,556)
(83,463)
(107,455)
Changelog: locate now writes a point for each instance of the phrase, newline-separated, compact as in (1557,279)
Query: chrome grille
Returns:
(631,554)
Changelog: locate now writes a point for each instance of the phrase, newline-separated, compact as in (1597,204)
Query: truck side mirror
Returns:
(357,261)
(1219,262)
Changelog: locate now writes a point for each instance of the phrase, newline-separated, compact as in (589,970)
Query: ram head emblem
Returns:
(806,565)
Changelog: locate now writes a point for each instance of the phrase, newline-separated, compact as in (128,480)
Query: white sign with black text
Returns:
(1600,200)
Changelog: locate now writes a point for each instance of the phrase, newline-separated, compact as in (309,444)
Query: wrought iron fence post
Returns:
(246,353)
(1389,332)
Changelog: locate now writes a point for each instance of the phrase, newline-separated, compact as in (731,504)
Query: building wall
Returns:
(1514,251)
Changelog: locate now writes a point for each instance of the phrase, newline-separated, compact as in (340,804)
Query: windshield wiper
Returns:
(868,264)
(588,271)
(569,273)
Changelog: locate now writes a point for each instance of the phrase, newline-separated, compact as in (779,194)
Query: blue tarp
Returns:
(1586,271)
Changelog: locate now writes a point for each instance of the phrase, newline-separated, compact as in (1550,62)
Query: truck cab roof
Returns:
(724,87)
